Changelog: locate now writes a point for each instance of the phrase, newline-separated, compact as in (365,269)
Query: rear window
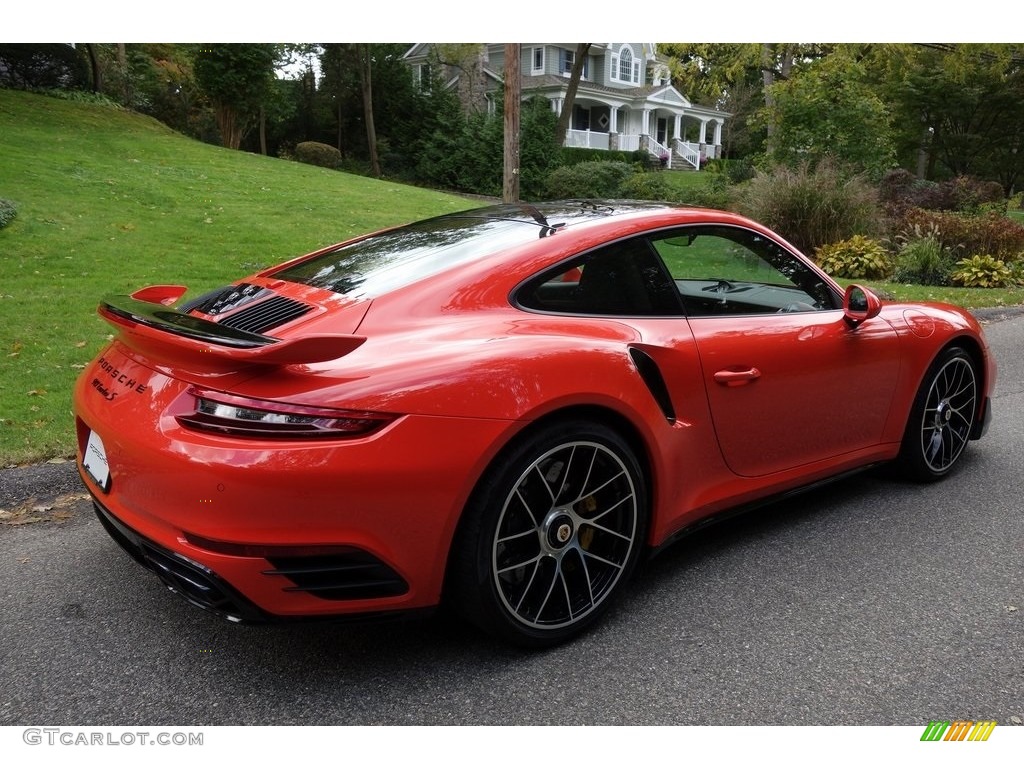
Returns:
(391,260)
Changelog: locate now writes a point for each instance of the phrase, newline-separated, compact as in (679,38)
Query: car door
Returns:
(788,381)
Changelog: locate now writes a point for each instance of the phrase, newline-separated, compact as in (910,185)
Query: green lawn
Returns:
(108,202)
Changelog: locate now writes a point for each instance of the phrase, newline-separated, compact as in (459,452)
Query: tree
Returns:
(826,109)
(959,108)
(365,59)
(565,116)
(236,77)
(513,90)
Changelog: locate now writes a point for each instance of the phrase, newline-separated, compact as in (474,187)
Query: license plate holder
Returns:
(95,463)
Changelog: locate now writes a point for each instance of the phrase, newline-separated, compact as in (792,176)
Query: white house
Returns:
(625,99)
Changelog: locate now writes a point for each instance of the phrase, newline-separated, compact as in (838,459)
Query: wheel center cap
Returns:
(560,531)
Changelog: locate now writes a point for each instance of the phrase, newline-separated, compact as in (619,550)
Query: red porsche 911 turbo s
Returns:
(503,408)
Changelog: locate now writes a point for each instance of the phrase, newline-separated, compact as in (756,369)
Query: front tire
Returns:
(550,536)
(941,418)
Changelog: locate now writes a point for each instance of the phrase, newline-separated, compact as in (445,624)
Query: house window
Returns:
(538,61)
(566,59)
(626,65)
(423,77)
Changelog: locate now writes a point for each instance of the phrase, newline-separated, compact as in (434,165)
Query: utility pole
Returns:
(513,88)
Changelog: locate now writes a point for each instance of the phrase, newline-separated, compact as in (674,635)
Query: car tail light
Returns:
(249,417)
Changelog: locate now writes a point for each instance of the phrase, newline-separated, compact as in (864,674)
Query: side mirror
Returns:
(860,304)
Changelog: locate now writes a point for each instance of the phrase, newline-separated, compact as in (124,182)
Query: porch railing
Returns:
(689,151)
(586,139)
(659,150)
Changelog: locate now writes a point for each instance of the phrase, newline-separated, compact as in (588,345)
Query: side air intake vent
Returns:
(261,317)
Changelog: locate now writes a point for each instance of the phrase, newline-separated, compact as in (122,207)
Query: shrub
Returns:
(315,153)
(923,260)
(715,192)
(992,233)
(982,271)
(8,211)
(964,193)
(648,186)
(595,179)
(577,155)
(812,207)
(858,257)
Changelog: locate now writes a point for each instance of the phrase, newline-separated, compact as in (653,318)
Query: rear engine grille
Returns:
(355,575)
(262,317)
(224,299)
(194,582)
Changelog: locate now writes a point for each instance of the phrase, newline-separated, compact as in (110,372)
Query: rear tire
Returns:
(551,534)
(941,418)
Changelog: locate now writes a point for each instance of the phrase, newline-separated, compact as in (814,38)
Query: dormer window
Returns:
(625,66)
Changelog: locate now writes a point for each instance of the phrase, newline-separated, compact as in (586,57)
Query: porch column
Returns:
(703,132)
(556,105)
(645,122)
(718,133)
(613,120)
(677,127)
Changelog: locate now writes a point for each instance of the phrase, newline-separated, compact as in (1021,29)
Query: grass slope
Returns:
(110,201)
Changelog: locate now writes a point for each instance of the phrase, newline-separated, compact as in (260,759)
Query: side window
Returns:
(721,270)
(624,279)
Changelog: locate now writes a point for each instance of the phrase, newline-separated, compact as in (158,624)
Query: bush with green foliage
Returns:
(576,155)
(855,258)
(737,171)
(812,206)
(8,211)
(648,185)
(923,260)
(315,153)
(715,192)
(593,179)
(982,271)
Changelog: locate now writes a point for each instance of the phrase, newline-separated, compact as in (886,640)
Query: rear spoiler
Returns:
(167,335)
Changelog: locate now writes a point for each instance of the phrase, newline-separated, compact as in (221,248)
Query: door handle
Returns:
(737,378)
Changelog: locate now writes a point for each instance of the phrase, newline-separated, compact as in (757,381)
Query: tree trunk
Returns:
(227,123)
(366,81)
(263,130)
(122,65)
(94,65)
(513,90)
(565,116)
